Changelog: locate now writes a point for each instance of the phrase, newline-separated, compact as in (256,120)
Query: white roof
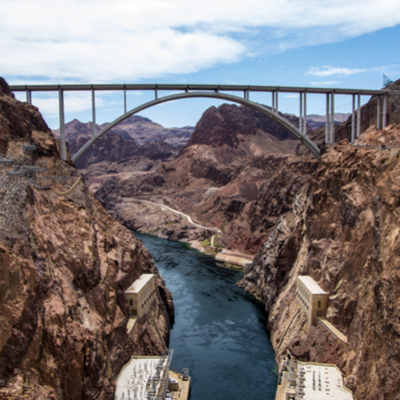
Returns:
(322,381)
(311,285)
(141,377)
(138,285)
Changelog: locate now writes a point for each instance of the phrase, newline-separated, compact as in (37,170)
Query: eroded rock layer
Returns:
(64,266)
(344,232)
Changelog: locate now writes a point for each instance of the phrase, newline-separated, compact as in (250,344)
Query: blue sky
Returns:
(345,44)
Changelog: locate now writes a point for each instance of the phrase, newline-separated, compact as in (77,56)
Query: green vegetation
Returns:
(206,242)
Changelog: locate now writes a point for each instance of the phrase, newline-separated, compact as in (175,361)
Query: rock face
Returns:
(65,264)
(238,173)
(344,232)
(136,139)
(368,118)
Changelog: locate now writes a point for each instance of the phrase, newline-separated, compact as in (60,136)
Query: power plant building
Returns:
(312,297)
(140,295)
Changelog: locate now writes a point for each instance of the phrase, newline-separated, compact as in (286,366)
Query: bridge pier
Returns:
(384,111)
(328,120)
(353,118)
(28,96)
(63,145)
(274,101)
(124,100)
(332,117)
(358,115)
(94,111)
(303,113)
(378,112)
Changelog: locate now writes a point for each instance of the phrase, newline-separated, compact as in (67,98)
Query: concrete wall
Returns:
(313,302)
(139,301)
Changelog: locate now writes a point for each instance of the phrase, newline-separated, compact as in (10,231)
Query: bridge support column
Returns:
(330,118)
(304,131)
(378,112)
(63,146)
(301,112)
(353,119)
(384,111)
(124,100)
(274,102)
(358,114)
(94,111)
(28,96)
(332,136)
(327,120)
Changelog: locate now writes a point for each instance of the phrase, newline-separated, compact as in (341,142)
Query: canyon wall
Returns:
(64,266)
(343,230)
(237,173)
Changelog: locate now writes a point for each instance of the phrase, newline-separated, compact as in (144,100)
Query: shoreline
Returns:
(210,251)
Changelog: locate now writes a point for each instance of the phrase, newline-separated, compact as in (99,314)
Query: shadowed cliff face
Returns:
(344,232)
(64,266)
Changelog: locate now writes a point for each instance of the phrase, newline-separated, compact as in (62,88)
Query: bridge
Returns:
(219,92)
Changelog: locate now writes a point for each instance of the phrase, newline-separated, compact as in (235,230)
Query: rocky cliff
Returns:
(65,264)
(237,173)
(344,232)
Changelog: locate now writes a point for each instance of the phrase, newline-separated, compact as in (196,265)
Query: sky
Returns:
(305,43)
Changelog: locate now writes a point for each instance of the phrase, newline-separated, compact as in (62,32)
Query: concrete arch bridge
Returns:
(218,92)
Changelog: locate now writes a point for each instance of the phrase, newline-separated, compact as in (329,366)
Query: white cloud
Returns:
(324,83)
(74,102)
(328,70)
(128,40)
(292,96)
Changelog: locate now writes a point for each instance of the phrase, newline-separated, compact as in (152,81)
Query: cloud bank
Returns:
(131,40)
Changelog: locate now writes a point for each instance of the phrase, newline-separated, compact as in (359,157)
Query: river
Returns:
(219,331)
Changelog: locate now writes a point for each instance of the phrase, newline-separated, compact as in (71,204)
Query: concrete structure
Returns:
(300,380)
(235,260)
(140,295)
(217,91)
(144,378)
(312,297)
(331,329)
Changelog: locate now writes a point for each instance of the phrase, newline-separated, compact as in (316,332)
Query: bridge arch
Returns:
(235,99)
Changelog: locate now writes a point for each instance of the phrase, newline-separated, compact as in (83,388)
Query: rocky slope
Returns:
(344,232)
(65,264)
(237,173)
(137,140)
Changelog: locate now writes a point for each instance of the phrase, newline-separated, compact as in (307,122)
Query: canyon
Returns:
(335,220)
(66,262)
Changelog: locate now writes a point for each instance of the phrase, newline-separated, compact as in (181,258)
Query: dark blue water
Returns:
(219,331)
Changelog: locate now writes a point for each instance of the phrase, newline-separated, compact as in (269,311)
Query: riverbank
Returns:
(234,258)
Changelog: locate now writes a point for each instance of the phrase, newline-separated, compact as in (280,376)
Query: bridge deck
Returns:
(190,87)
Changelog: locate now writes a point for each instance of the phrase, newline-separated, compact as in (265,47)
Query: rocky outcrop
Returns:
(342,231)
(65,264)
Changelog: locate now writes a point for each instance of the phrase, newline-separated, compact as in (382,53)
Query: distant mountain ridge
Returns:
(141,129)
